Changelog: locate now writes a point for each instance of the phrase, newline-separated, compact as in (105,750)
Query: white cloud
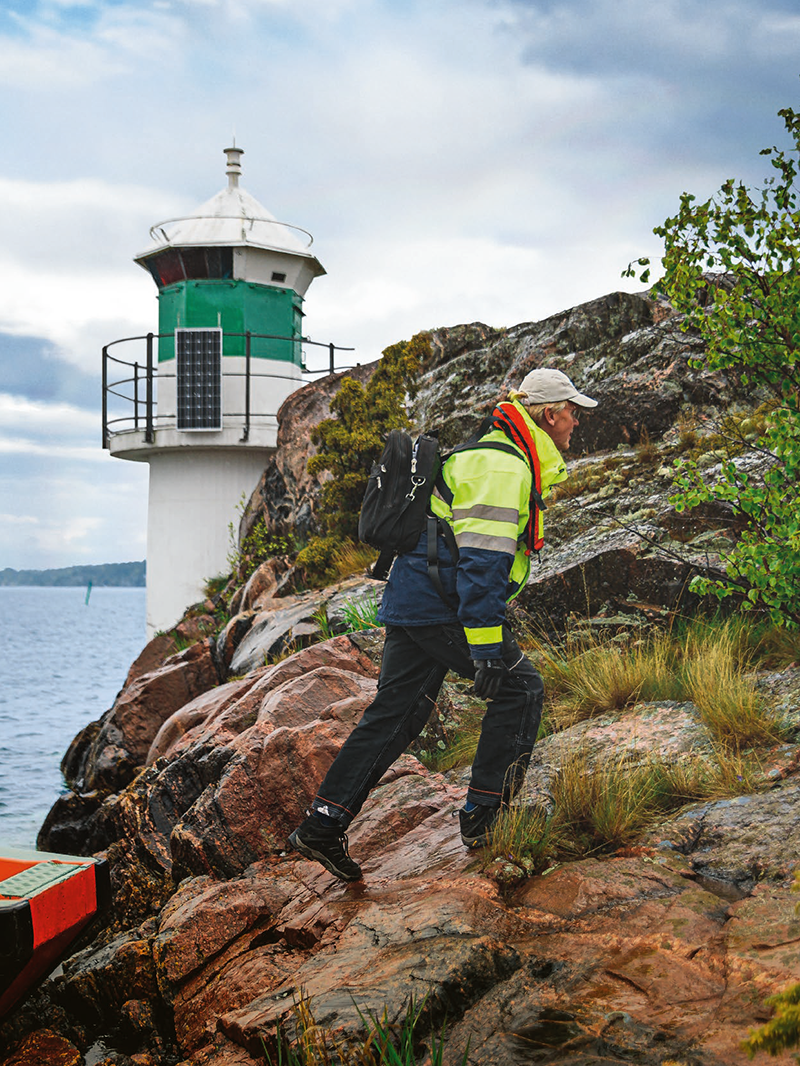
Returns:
(56,418)
(431,283)
(51,51)
(62,198)
(23,446)
(66,270)
(18,519)
(54,511)
(626,36)
(77,312)
(72,533)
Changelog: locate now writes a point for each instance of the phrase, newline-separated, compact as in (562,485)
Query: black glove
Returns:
(489,676)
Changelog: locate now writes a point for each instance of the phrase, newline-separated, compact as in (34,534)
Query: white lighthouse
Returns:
(206,388)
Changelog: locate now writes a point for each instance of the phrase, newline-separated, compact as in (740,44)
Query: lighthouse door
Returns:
(199,374)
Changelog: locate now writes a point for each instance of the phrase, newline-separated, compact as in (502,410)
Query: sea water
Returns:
(64,656)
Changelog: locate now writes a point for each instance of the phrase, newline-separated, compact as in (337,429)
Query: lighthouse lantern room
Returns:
(206,388)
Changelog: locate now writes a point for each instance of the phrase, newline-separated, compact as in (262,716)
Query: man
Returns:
(488,498)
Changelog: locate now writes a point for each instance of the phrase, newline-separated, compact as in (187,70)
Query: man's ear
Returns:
(548,415)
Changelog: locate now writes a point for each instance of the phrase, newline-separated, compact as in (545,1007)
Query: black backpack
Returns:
(396,498)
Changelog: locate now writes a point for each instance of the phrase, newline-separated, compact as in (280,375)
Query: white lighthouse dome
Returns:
(232,218)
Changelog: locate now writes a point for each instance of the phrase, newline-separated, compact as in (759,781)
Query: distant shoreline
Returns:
(108,575)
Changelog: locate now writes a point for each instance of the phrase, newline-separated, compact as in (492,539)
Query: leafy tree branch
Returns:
(731,268)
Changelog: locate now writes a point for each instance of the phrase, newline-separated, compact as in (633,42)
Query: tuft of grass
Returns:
(689,440)
(381,1045)
(286,650)
(771,646)
(722,689)
(357,615)
(523,835)
(353,558)
(245,557)
(734,773)
(361,614)
(213,586)
(604,805)
(586,675)
(326,560)
(320,619)
(601,806)
(710,663)
(647,451)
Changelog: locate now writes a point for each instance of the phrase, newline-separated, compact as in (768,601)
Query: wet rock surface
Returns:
(739,841)
(666,953)
(192,781)
(631,956)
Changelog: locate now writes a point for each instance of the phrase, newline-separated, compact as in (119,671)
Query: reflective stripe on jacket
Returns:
(489,513)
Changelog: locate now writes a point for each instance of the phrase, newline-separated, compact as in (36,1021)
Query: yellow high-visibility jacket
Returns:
(488,514)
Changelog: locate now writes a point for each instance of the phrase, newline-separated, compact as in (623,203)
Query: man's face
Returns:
(560,424)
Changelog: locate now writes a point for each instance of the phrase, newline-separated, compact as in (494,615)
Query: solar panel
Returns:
(199,378)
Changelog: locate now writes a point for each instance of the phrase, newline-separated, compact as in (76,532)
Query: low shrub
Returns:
(325,560)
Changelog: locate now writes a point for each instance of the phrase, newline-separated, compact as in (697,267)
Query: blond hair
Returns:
(536,410)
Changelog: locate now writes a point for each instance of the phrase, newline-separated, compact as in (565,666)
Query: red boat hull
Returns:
(46,901)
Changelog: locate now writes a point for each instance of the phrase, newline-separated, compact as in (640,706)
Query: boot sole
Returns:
(475,842)
(317,856)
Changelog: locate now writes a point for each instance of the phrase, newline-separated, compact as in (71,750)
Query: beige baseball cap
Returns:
(551,386)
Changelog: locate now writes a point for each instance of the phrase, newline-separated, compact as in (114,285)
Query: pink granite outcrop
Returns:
(192,781)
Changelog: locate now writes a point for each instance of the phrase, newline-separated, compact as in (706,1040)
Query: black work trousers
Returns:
(415,662)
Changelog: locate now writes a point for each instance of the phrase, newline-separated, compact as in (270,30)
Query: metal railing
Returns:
(142,379)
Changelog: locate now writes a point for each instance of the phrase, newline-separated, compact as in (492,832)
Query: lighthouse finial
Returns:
(234,167)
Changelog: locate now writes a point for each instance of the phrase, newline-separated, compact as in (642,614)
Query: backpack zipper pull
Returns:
(415,484)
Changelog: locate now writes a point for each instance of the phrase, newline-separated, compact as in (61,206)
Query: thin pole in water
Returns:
(88,593)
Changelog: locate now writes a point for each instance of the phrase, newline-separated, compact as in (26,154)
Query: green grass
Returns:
(710,663)
(320,618)
(357,615)
(524,836)
(381,1043)
(608,804)
(718,675)
(361,614)
(353,557)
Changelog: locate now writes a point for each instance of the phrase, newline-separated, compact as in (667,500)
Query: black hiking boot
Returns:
(325,844)
(477,824)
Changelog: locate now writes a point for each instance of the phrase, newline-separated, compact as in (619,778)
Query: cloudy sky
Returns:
(456,161)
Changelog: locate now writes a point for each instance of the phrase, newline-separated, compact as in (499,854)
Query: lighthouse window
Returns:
(177,264)
(194,262)
(199,378)
(169,268)
(278,277)
(219,262)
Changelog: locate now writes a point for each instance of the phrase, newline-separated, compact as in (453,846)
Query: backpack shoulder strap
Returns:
(435,527)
